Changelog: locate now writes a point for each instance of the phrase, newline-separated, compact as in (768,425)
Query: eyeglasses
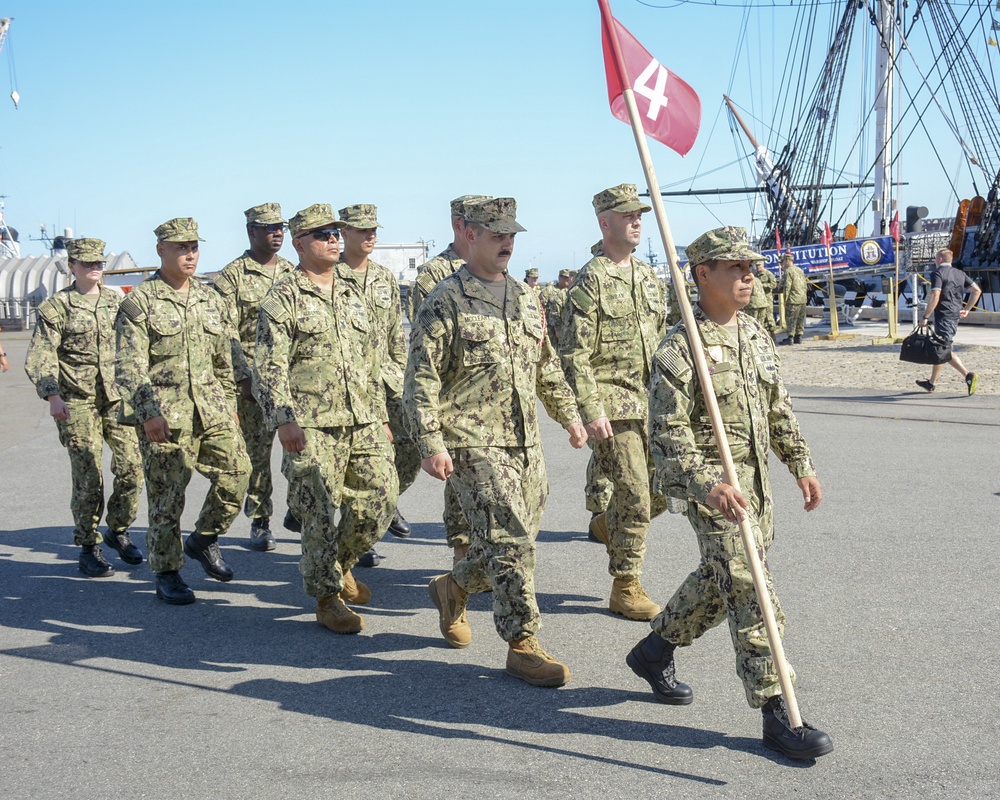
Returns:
(274,227)
(91,264)
(324,235)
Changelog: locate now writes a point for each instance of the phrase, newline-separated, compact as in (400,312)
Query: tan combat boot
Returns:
(599,529)
(459,552)
(449,598)
(528,661)
(354,591)
(333,614)
(629,599)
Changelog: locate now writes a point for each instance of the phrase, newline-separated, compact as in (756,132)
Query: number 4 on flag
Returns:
(670,108)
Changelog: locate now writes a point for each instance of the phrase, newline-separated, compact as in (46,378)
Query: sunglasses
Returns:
(324,235)
(274,227)
(91,264)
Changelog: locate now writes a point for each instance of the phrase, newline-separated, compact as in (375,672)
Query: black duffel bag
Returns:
(923,346)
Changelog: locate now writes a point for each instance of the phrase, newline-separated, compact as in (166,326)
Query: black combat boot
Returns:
(653,661)
(261,538)
(798,338)
(205,550)
(122,543)
(805,743)
(399,526)
(93,564)
(170,588)
(370,559)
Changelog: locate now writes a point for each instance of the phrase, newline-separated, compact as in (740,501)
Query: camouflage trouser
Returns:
(502,491)
(456,526)
(598,488)
(405,450)
(795,319)
(219,454)
(722,587)
(259,441)
(349,468)
(626,460)
(83,435)
(765,316)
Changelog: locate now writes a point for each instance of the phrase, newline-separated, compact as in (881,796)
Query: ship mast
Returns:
(882,201)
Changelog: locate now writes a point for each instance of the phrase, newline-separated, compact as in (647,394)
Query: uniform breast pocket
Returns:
(166,333)
(484,339)
(382,297)
(617,321)
(212,323)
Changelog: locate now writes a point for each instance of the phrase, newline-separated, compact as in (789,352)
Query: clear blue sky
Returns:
(133,113)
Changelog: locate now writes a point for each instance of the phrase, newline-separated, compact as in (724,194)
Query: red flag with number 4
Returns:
(894,228)
(669,108)
(827,237)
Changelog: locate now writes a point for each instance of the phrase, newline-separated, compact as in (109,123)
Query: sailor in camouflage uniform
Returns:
(615,316)
(176,372)
(553,298)
(761,305)
(71,362)
(477,359)
(456,527)
(796,290)
(757,414)
(317,382)
(243,284)
(381,291)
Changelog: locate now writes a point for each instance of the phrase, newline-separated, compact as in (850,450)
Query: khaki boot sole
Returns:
(546,682)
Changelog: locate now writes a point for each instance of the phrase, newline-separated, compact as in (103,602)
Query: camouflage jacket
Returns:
(175,357)
(380,290)
(795,287)
(243,284)
(763,286)
(475,368)
(315,362)
(553,299)
(72,351)
(612,323)
(435,270)
(755,409)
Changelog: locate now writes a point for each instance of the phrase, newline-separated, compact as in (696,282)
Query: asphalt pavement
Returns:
(890,589)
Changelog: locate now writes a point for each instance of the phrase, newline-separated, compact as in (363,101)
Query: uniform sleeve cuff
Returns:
(431,445)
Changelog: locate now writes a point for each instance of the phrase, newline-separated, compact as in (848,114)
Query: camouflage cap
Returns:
(566,273)
(362,216)
(623,198)
(596,248)
(787,257)
(265,214)
(460,204)
(86,250)
(316,216)
(178,229)
(531,273)
(496,215)
(722,244)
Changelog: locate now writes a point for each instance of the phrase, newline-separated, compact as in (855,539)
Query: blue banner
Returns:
(854,254)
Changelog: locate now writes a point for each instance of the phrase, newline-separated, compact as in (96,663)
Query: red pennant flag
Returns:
(894,228)
(777,239)
(827,237)
(669,108)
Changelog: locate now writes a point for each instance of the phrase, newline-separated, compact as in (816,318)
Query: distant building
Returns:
(26,282)
(401,259)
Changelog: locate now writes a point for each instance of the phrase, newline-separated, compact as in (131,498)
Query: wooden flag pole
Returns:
(701,366)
